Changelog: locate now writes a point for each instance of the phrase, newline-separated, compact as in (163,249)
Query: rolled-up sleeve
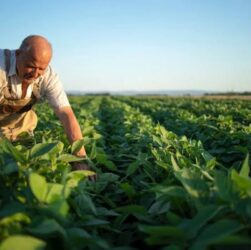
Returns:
(53,90)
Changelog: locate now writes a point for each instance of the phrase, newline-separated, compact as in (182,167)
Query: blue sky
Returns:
(139,44)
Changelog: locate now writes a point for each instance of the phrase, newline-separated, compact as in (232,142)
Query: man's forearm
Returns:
(71,127)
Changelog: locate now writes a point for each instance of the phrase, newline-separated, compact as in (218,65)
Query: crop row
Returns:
(154,189)
(223,137)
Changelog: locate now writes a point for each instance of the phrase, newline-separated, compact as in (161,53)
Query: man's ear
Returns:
(18,52)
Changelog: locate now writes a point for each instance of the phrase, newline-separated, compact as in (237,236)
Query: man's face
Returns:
(30,66)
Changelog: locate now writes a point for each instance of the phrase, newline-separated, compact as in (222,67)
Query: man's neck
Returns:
(25,86)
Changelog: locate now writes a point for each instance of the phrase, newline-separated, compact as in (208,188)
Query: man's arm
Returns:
(73,132)
(71,127)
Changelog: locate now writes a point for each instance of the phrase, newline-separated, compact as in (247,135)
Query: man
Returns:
(25,78)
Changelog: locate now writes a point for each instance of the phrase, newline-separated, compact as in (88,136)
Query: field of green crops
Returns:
(172,173)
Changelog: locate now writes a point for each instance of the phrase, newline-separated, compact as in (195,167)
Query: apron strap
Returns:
(7,54)
(7,60)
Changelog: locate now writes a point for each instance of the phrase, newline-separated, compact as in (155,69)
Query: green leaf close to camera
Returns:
(22,242)
(77,145)
(41,149)
(38,186)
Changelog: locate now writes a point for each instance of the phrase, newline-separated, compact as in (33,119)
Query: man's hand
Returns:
(71,127)
(73,132)
(83,166)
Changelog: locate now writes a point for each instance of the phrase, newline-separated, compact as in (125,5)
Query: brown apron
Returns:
(16,115)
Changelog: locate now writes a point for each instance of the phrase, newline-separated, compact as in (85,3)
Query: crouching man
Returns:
(26,77)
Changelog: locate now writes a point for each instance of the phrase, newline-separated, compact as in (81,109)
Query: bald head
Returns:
(33,57)
(37,46)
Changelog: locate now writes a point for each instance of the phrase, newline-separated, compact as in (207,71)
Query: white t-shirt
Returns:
(51,86)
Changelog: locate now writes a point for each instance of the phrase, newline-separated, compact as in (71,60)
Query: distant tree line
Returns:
(245,93)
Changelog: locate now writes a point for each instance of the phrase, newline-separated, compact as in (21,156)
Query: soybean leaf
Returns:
(161,235)
(162,230)
(58,149)
(128,189)
(108,177)
(173,247)
(93,153)
(84,204)
(224,186)
(95,222)
(59,206)
(88,130)
(55,191)
(10,149)
(74,177)
(160,206)
(174,163)
(131,209)
(132,168)
(38,186)
(216,232)
(77,145)
(172,191)
(243,184)
(245,168)
(15,218)
(105,212)
(234,240)
(22,242)
(103,159)
(70,158)
(79,237)
(173,218)
(41,149)
(109,164)
(193,183)
(204,215)
(10,167)
(48,227)
(11,208)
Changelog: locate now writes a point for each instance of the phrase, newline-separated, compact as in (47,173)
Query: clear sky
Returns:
(139,44)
